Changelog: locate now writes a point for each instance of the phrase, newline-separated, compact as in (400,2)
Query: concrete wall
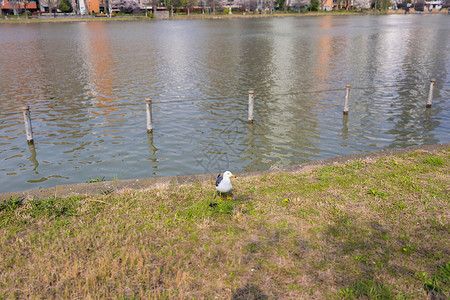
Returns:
(161,14)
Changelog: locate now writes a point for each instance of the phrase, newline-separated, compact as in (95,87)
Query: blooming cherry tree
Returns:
(128,6)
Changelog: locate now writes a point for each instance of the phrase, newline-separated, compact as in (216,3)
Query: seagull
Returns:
(223,183)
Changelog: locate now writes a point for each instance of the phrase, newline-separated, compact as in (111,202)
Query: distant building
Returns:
(326,5)
(92,6)
(85,7)
(433,5)
(14,7)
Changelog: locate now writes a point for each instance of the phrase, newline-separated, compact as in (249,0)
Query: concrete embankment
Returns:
(107,187)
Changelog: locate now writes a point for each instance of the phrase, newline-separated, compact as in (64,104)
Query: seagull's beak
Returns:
(233,176)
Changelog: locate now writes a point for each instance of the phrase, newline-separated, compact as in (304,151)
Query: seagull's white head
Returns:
(228,174)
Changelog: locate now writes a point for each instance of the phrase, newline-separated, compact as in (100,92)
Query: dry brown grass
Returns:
(375,229)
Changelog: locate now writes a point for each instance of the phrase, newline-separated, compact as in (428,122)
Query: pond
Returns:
(86,85)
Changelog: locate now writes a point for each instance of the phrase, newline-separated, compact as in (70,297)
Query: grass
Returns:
(22,19)
(98,179)
(370,229)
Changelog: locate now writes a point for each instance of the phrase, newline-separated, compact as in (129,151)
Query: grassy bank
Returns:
(184,16)
(63,19)
(373,228)
(12,19)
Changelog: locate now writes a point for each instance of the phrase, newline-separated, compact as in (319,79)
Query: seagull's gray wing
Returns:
(218,180)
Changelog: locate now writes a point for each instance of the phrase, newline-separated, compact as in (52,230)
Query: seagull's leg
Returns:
(229,198)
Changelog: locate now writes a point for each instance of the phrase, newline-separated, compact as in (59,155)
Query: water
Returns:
(86,84)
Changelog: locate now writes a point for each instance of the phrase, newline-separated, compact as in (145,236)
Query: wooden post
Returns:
(430,94)
(27,119)
(149,115)
(347,95)
(251,101)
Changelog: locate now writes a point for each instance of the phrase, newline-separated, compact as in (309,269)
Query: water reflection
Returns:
(99,72)
(152,148)
(345,126)
(86,84)
(411,125)
(33,158)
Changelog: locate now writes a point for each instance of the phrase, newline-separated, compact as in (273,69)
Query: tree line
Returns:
(221,6)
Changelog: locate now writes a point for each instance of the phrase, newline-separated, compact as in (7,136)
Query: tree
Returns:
(214,4)
(314,5)
(127,6)
(279,3)
(52,5)
(154,5)
(25,3)
(361,4)
(169,4)
(300,3)
(381,4)
(242,3)
(65,6)
(189,4)
(287,3)
(74,5)
(15,6)
(419,4)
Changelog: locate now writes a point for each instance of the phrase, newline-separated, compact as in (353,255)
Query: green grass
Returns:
(98,179)
(433,160)
(367,229)
(124,17)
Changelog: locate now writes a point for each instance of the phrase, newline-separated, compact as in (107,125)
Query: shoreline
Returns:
(204,16)
(374,228)
(109,187)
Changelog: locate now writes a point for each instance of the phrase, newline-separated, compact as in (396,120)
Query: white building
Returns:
(431,5)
